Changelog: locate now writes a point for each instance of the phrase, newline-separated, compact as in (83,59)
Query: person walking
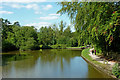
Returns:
(92,51)
(95,52)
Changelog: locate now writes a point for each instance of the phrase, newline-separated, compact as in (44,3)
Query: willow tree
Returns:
(97,23)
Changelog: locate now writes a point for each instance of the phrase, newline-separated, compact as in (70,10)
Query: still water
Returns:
(49,63)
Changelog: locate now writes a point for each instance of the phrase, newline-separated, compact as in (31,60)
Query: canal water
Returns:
(48,63)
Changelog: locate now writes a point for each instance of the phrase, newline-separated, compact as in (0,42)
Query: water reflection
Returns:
(13,57)
(52,63)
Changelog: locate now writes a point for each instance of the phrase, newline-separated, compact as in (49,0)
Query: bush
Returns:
(58,46)
(98,49)
(116,70)
(24,48)
(41,46)
(7,46)
(45,46)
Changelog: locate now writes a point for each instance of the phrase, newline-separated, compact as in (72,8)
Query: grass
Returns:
(73,47)
(77,47)
(85,53)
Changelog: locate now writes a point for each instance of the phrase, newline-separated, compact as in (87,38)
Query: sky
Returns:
(36,13)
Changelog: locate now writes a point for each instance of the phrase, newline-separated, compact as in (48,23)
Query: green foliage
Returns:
(116,70)
(95,23)
(28,45)
(58,46)
(41,46)
(45,36)
(98,49)
(16,37)
(46,47)
(7,46)
(54,35)
(85,53)
(27,38)
(72,42)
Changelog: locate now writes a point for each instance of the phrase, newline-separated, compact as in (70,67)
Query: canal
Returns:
(48,63)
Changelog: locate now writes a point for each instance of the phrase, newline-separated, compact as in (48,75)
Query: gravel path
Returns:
(101,60)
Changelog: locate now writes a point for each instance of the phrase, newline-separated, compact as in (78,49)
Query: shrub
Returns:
(58,46)
(116,70)
(41,46)
(45,46)
(7,46)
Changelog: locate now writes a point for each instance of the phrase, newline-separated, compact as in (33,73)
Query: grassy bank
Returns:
(85,54)
(76,47)
(102,67)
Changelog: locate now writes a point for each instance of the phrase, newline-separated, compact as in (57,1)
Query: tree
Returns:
(7,35)
(25,37)
(45,36)
(95,23)
(17,37)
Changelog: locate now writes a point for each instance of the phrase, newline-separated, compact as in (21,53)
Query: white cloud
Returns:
(72,27)
(23,1)
(6,12)
(32,6)
(49,18)
(38,12)
(30,1)
(39,25)
(15,5)
(54,14)
(47,7)
(35,7)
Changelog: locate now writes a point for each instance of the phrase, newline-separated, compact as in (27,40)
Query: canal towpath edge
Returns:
(97,62)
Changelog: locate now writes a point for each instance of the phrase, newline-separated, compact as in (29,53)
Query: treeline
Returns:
(16,37)
(96,23)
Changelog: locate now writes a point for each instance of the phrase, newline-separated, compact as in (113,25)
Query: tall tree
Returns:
(95,22)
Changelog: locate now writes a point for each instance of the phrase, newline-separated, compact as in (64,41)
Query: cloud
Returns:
(23,1)
(47,7)
(72,27)
(6,12)
(54,14)
(32,6)
(38,12)
(30,1)
(35,7)
(15,5)
(39,25)
(49,18)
